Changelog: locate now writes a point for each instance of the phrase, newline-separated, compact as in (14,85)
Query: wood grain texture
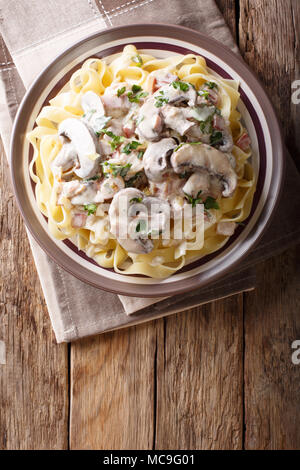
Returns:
(228,8)
(272,323)
(269,37)
(200,378)
(34,378)
(216,377)
(112,389)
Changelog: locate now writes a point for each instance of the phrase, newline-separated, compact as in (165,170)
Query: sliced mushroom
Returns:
(177,118)
(85,144)
(123,224)
(202,181)
(150,123)
(197,157)
(134,217)
(156,159)
(65,159)
(220,124)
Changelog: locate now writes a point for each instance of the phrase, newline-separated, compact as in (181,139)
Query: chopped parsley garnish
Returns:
(211,85)
(136,94)
(116,139)
(137,60)
(136,199)
(141,226)
(136,88)
(179,85)
(130,146)
(179,146)
(115,169)
(194,200)
(206,126)
(92,178)
(211,203)
(140,154)
(121,91)
(203,93)
(216,137)
(90,208)
(161,99)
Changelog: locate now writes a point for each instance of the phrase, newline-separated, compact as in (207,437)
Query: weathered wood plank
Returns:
(34,378)
(228,10)
(272,323)
(200,378)
(269,36)
(112,389)
(269,39)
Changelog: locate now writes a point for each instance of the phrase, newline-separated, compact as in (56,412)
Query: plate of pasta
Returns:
(147,160)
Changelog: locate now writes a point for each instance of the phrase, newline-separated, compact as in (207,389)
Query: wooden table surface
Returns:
(216,377)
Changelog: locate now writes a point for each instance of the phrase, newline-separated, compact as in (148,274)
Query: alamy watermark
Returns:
(296,93)
(296,354)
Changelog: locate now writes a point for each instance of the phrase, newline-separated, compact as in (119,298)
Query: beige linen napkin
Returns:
(35,31)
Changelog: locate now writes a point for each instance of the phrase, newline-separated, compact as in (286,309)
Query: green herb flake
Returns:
(216,137)
(115,169)
(141,226)
(121,91)
(203,93)
(136,199)
(192,200)
(211,203)
(161,99)
(137,60)
(133,145)
(211,85)
(136,88)
(179,85)
(140,154)
(92,178)
(135,97)
(90,208)
(179,146)
(116,139)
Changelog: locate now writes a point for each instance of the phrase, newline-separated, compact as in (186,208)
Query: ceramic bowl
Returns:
(258,115)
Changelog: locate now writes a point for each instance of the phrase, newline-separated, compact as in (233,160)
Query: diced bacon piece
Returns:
(129,129)
(213,97)
(218,122)
(244,141)
(78,220)
(226,228)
